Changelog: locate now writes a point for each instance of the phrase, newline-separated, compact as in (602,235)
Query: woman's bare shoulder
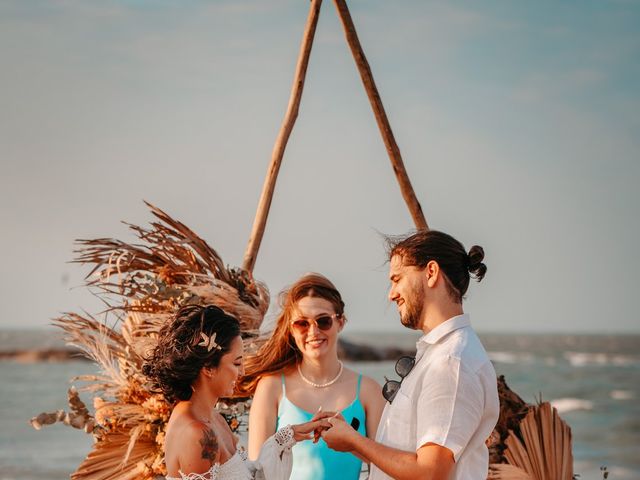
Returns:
(367,385)
(188,427)
(270,378)
(368,382)
(369,388)
(270,385)
(191,445)
(204,439)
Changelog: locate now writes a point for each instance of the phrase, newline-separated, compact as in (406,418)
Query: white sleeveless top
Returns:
(274,463)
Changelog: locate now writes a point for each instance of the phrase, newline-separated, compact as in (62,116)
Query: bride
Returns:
(197,361)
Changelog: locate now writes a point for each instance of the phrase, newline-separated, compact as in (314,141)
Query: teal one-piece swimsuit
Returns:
(316,461)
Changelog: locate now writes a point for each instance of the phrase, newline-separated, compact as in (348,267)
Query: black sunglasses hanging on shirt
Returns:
(391,387)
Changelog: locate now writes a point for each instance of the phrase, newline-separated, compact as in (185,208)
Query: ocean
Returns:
(594,381)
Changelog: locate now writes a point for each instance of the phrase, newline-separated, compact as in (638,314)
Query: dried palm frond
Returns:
(540,448)
(143,285)
(172,266)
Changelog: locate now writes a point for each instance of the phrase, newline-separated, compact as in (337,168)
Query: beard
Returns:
(414,304)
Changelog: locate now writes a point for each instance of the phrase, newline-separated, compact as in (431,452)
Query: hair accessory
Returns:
(209,341)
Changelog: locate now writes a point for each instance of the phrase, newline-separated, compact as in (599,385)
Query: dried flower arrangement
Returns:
(143,285)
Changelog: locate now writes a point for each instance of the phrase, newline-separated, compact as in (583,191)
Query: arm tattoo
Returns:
(210,445)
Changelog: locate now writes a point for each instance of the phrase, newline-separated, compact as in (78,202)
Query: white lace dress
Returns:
(274,463)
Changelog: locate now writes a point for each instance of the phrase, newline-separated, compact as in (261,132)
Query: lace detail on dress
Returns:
(242,452)
(233,469)
(274,463)
(284,437)
(212,474)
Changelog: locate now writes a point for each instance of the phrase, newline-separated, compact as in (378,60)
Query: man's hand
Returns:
(340,436)
(321,415)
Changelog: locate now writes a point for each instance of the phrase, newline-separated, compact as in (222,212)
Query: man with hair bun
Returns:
(445,406)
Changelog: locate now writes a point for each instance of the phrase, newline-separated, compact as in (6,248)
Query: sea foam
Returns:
(587,359)
(621,394)
(510,357)
(564,405)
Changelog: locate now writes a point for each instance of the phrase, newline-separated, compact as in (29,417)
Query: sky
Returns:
(517,121)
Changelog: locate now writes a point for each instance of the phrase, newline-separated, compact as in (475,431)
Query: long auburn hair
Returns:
(279,351)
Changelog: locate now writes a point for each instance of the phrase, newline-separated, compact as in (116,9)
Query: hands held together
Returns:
(332,427)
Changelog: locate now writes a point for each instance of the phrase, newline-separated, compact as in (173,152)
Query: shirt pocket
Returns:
(400,427)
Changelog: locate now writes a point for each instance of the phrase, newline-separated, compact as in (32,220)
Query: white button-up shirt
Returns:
(449,398)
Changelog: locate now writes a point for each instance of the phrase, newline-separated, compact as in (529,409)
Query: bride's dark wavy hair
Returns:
(178,357)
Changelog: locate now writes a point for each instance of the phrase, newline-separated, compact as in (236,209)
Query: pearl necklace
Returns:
(320,385)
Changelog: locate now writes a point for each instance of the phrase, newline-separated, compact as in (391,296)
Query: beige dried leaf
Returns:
(544,452)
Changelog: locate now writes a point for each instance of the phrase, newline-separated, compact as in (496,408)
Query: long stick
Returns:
(262,213)
(381,117)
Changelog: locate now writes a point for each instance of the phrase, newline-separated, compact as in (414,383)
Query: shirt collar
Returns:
(444,329)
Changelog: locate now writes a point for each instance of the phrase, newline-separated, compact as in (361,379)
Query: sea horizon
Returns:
(593,380)
(376,329)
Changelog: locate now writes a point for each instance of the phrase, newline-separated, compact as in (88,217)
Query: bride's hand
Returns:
(303,431)
(321,414)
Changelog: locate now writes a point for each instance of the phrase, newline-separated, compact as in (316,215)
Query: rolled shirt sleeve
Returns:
(450,405)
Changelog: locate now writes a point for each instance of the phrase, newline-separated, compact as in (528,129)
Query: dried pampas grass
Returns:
(143,285)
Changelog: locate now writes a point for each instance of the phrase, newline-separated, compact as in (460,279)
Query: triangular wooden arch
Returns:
(393,151)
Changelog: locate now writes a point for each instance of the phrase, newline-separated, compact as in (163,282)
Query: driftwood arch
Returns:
(291,115)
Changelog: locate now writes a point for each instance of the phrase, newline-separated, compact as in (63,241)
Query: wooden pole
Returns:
(268,188)
(381,117)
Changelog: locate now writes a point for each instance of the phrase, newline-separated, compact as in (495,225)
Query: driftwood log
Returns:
(289,121)
(381,116)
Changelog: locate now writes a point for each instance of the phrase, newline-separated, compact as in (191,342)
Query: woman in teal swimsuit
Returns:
(296,374)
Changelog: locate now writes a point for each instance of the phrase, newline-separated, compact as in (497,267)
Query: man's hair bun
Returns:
(477,269)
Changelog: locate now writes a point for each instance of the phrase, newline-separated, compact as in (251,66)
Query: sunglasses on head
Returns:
(323,322)
(391,387)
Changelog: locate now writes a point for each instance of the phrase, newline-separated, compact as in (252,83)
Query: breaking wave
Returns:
(564,405)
